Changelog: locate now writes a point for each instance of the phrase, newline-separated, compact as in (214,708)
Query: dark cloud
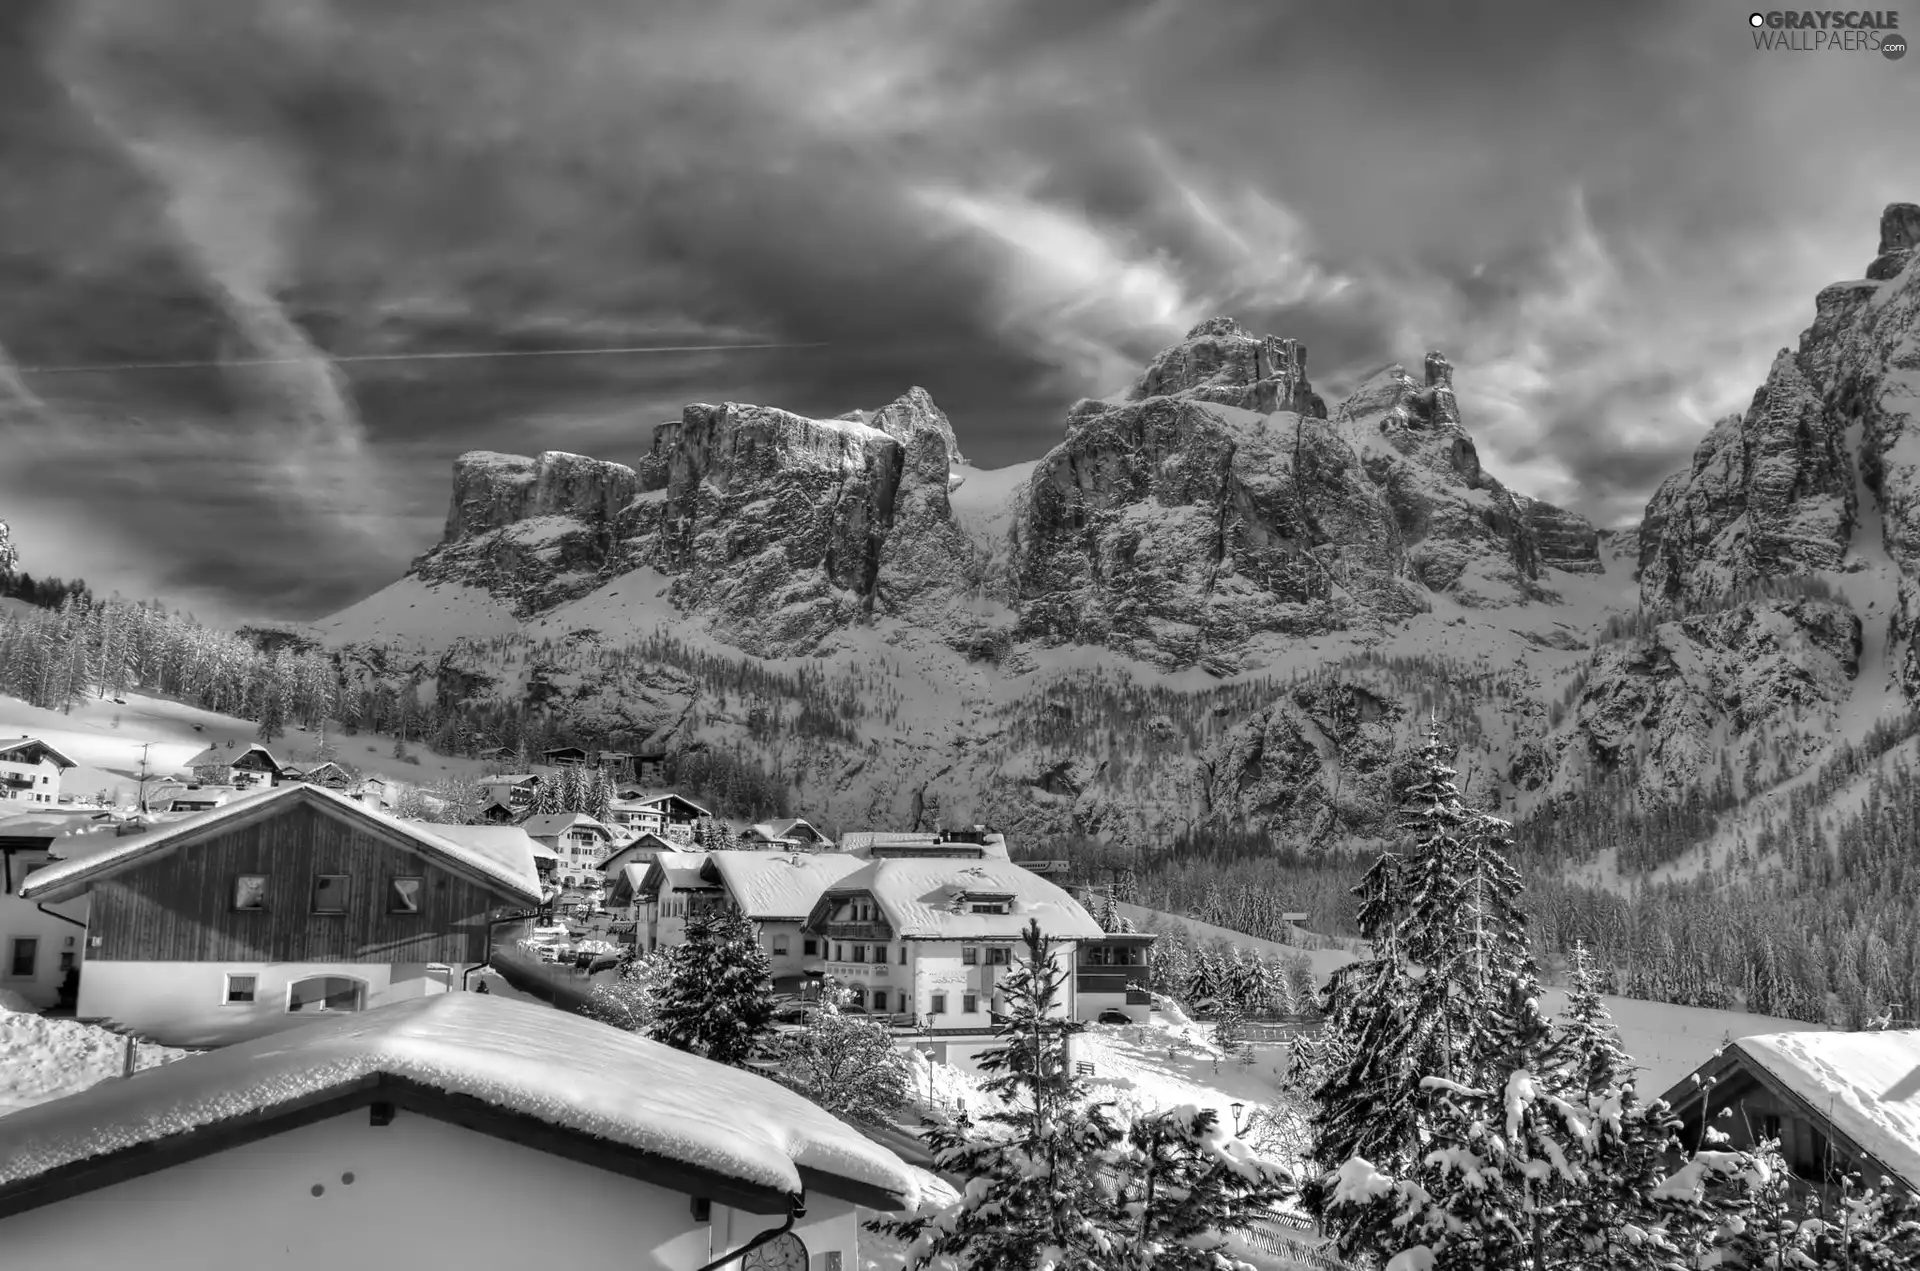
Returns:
(1609,216)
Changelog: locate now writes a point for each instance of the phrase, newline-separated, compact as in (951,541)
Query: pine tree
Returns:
(1055,1181)
(718,999)
(1031,1200)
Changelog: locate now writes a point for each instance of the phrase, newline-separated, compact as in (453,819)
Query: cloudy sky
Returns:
(1609,216)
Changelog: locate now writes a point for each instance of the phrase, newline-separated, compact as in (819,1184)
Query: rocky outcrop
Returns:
(1181,532)
(491,491)
(780,528)
(1220,363)
(1465,532)
(1899,236)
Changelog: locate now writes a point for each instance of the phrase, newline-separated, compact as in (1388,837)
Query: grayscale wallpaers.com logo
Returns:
(1811,31)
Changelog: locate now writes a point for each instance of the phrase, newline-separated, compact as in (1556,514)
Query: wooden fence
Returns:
(1274,1240)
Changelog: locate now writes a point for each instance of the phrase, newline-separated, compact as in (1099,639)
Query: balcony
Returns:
(17,780)
(858,932)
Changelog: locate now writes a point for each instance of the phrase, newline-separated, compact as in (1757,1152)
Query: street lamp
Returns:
(1236,1118)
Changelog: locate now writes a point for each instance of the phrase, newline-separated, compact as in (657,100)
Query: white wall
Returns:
(424,1194)
(22,918)
(44,777)
(183,1003)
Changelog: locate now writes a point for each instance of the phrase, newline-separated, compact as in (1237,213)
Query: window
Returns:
(780,946)
(26,950)
(989,907)
(240,989)
(810,947)
(879,999)
(859,953)
(997,957)
(903,955)
(404,895)
(325,993)
(880,954)
(969,956)
(250,893)
(1770,1127)
(66,960)
(839,952)
(969,1003)
(330,893)
(939,1005)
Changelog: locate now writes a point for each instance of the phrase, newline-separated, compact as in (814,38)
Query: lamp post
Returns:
(1237,1108)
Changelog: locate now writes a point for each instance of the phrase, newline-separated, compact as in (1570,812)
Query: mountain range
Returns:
(1217,599)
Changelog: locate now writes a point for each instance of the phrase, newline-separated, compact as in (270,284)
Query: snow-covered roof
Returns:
(509,845)
(511,779)
(559,823)
(669,797)
(9,748)
(222,757)
(678,871)
(782,828)
(648,842)
(73,876)
(925,898)
(779,885)
(1866,1084)
(625,1102)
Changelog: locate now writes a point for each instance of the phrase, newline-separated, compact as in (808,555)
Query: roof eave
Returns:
(466,1111)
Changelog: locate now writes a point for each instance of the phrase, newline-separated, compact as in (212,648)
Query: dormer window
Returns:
(988,906)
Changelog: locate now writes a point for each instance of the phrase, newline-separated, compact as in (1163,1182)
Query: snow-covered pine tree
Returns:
(1034,1197)
(847,1064)
(1184,1183)
(1362,1086)
(1426,1061)
(718,998)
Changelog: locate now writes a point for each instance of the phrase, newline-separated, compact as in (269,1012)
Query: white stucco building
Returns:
(467,1131)
(30,772)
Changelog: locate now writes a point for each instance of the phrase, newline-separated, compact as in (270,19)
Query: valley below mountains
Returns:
(1219,605)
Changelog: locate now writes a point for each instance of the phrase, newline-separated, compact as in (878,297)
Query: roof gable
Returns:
(34,750)
(1866,1085)
(70,878)
(580,1088)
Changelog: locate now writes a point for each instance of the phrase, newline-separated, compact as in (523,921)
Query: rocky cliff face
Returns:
(1780,569)
(1208,517)
(1821,475)
(783,529)
(1217,510)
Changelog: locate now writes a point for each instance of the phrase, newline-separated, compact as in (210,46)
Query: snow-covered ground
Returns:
(43,1059)
(1324,961)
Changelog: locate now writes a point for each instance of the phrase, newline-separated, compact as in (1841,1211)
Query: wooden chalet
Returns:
(564,757)
(1838,1103)
(290,902)
(324,772)
(31,770)
(243,768)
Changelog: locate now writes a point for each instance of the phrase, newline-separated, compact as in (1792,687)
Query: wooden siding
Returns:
(179,908)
